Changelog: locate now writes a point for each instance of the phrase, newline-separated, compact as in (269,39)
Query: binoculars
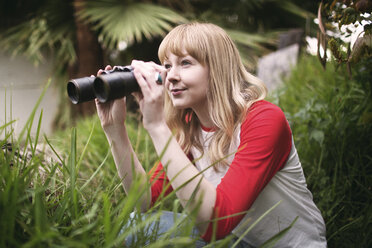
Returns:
(110,85)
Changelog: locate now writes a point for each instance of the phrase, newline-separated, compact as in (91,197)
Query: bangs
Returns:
(183,40)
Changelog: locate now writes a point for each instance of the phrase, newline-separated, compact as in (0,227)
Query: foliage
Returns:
(49,30)
(345,14)
(81,36)
(51,27)
(331,119)
(117,21)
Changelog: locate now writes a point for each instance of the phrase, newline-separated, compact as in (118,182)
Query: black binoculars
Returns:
(110,85)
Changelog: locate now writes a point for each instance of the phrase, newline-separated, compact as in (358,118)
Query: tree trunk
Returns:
(89,60)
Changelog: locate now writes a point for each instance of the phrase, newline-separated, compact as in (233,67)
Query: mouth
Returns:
(176,92)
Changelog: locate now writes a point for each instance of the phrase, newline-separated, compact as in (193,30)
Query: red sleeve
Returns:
(159,181)
(265,144)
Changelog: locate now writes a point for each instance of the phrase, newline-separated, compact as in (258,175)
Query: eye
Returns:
(167,66)
(185,62)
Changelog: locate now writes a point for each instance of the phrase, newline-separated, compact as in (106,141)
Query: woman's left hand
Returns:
(151,97)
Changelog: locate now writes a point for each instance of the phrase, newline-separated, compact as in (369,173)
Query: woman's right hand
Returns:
(112,113)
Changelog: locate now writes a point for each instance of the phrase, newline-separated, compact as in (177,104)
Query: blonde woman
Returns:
(210,111)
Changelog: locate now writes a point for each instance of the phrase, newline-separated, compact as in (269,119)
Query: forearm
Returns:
(183,175)
(127,164)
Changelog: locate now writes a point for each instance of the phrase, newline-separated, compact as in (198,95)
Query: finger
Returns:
(141,80)
(151,73)
(108,67)
(163,77)
(158,67)
(136,63)
(158,78)
(99,72)
(97,102)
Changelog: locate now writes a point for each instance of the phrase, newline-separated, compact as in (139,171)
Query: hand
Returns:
(151,97)
(111,113)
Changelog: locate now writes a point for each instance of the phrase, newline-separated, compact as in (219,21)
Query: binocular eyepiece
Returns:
(110,85)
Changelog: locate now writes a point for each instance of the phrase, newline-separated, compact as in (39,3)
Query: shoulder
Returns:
(265,117)
(264,110)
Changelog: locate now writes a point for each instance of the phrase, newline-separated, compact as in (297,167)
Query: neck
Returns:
(204,118)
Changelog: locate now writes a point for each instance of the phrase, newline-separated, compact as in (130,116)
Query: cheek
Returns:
(166,85)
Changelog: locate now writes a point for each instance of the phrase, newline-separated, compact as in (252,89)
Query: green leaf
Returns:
(118,21)
(317,135)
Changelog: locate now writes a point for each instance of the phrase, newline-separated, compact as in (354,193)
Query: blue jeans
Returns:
(170,229)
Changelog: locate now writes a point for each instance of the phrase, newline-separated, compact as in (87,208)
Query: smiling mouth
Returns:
(176,92)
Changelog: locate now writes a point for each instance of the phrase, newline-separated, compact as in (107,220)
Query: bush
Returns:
(331,118)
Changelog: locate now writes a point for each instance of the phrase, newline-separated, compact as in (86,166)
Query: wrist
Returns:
(112,131)
(160,129)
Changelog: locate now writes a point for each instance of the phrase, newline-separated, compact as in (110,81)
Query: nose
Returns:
(173,75)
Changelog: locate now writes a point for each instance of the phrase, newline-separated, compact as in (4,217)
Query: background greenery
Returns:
(331,119)
(67,192)
(79,37)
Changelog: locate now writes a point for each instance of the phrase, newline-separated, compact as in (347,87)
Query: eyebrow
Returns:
(179,57)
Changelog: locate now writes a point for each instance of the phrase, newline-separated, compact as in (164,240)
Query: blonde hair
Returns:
(232,90)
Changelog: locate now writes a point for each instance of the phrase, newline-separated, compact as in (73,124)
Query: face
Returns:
(187,82)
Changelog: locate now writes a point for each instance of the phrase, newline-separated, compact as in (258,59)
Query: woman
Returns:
(211,111)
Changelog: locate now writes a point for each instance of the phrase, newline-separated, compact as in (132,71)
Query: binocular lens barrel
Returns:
(115,85)
(105,87)
(81,90)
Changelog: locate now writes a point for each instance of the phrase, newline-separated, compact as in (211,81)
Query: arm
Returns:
(160,185)
(112,116)
(126,161)
(265,144)
(184,177)
(179,171)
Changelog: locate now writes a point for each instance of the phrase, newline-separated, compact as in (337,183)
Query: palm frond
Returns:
(34,38)
(118,21)
(258,42)
(51,30)
(252,46)
(296,10)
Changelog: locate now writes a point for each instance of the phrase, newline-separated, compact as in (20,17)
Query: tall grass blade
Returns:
(72,167)
(85,149)
(31,117)
(272,241)
(96,171)
(40,211)
(254,224)
(56,153)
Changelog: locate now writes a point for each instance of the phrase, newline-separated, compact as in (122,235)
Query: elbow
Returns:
(146,202)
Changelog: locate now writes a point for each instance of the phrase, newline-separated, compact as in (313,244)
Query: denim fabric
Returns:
(163,225)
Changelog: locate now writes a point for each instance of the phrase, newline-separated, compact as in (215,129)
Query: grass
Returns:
(64,191)
(331,119)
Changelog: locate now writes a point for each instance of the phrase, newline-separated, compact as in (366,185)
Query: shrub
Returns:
(331,118)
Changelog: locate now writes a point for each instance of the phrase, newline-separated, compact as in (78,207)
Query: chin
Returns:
(178,105)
